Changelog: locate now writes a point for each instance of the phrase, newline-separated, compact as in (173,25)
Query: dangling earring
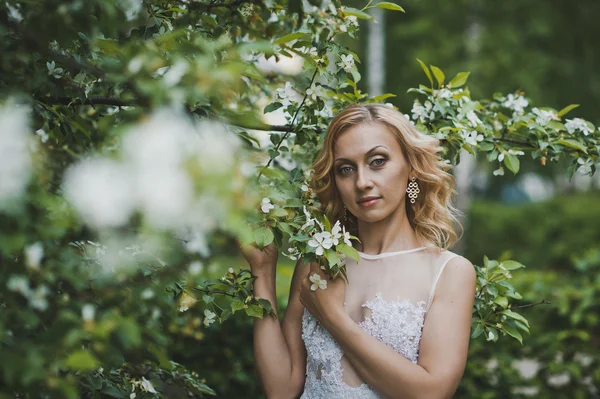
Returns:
(345,215)
(413,190)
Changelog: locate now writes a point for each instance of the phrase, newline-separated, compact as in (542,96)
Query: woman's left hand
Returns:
(323,304)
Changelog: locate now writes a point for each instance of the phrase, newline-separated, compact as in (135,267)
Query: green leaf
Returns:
(512,162)
(266,304)
(208,299)
(357,13)
(82,360)
(332,257)
(263,236)
(477,331)
(382,97)
(390,6)
(236,304)
(348,251)
(286,228)
(513,332)
(567,109)
(272,107)
(439,75)
(290,37)
(502,301)
(572,144)
(516,316)
(254,311)
(512,265)
(426,70)
(459,80)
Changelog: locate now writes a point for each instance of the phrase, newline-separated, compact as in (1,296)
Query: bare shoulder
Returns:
(459,272)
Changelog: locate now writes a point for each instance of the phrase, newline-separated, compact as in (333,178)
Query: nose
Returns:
(363,180)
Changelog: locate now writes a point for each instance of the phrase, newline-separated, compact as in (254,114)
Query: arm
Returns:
(279,352)
(443,347)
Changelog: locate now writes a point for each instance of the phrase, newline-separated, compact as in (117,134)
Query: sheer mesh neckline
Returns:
(386,254)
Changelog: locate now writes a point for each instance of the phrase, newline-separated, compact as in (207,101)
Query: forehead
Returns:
(359,139)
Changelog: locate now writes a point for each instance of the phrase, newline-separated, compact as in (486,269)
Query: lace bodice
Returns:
(401,287)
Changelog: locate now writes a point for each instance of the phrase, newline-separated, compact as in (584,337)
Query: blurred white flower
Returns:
(473,118)
(209,317)
(131,7)
(230,270)
(19,284)
(346,235)
(516,103)
(15,159)
(585,167)
(33,255)
(147,294)
(578,124)
(165,196)
(336,233)
(317,282)
(266,205)
(442,93)
(499,171)
(287,94)
(422,112)
(175,73)
(88,312)
(42,134)
(37,298)
(195,268)
(346,62)
(544,117)
(101,191)
(147,386)
(471,137)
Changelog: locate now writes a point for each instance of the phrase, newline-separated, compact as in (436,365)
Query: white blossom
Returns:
(471,137)
(544,117)
(19,284)
(346,236)
(37,298)
(585,167)
(88,312)
(442,93)
(147,294)
(516,103)
(499,171)
(321,241)
(209,317)
(346,62)
(195,268)
(15,159)
(336,233)
(266,205)
(473,118)
(33,255)
(287,94)
(101,191)
(578,124)
(317,282)
(147,386)
(42,134)
(422,112)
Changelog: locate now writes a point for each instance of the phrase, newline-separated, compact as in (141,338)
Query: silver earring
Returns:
(413,190)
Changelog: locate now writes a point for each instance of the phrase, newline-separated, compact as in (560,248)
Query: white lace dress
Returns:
(388,296)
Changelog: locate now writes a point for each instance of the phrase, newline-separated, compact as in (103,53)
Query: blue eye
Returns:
(379,162)
(345,170)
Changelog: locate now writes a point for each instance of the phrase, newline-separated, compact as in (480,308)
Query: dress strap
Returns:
(437,278)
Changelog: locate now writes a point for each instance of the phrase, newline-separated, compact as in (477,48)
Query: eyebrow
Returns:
(366,155)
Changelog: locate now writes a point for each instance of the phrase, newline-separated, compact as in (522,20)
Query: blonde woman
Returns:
(400,327)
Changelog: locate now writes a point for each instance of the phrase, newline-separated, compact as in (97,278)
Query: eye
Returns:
(379,162)
(345,170)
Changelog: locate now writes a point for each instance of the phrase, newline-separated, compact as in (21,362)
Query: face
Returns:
(371,172)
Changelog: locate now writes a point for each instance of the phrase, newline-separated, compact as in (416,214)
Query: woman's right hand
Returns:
(260,260)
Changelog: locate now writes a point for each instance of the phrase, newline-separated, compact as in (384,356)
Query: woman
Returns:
(400,327)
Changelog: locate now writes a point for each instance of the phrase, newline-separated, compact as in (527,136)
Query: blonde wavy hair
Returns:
(432,216)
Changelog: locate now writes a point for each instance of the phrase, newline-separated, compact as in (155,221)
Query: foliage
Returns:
(555,229)
(146,159)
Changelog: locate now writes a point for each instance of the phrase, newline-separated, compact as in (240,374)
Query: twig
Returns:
(542,302)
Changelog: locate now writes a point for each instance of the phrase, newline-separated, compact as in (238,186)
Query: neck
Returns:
(391,234)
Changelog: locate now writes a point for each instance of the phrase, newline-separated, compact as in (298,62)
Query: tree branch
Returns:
(542,302)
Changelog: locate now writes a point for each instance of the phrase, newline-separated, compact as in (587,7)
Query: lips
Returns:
(368,201)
